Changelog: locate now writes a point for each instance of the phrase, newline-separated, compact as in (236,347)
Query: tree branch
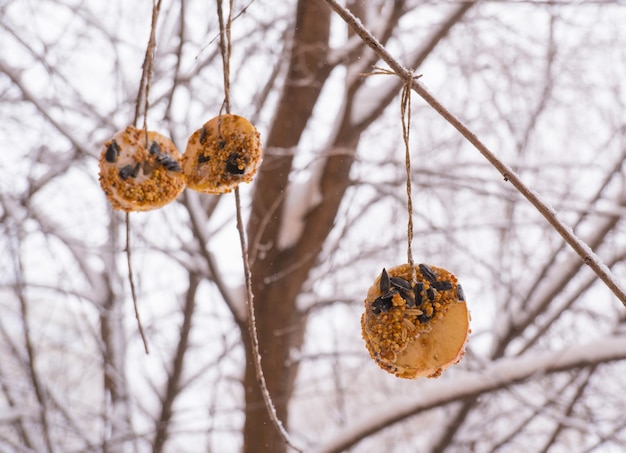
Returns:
(578,245)
(173,387)
(500,374)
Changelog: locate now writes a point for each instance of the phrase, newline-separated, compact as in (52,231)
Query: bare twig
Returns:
(501,373)
(131,281)
(577,244)
(174,387)
(30,350)
(269,404)
(179,59)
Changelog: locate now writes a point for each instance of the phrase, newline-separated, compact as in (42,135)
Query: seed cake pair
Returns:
(140,171)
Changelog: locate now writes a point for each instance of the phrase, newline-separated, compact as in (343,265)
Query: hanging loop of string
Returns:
(405,112)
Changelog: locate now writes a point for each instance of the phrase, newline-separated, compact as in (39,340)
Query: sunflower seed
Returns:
(400,283)
(430,292)
(441,286)
(203,135)
(232,166)
(384,281)
(113,152)
(460,294)
(126,172)
(417,292)
(381,305)
(428,273)
(135,171)
(155,148)
(169,163)
(423,318)
(408,297)
(202,158)
(413,312)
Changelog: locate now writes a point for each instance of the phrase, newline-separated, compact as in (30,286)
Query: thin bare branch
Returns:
(173,387)
(500,374)
(577,244)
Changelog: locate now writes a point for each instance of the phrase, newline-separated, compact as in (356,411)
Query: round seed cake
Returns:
(414,328)
(139,172)
(221,154)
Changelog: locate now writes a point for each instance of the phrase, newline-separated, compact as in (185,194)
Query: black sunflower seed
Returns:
(135,171)
(384,284)
(155,148)
(441,286)
(417,292)
(408,297)
(400,283)
(423,318)
(126,172)
(112,152)
(172,165)
(203,135)
(430,292)
(232,166)
(460,294)
(202,158)
(169,163)
(428,273)
(380,305)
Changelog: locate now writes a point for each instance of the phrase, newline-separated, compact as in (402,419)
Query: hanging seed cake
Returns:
(139,174)
(223,153)
(415,329)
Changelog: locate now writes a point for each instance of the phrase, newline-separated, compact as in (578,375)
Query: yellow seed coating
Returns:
(225,152)
(406,346)
(152,185)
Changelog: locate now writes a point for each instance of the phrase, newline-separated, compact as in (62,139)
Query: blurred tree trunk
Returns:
(275,297)
(278,275)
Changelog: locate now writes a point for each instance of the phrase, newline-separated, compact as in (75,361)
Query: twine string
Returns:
(143,94)
(405,113)
(225,50)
